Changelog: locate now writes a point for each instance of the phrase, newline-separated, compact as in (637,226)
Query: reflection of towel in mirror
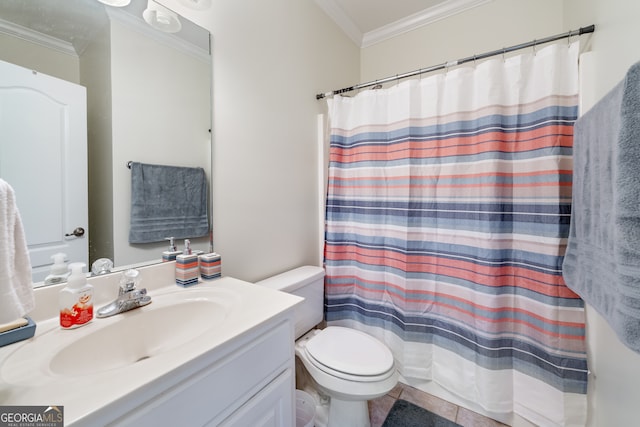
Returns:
(16,286)
(167,201)
(602,262)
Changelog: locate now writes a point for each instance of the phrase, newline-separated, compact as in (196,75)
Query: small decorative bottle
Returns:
(187,266)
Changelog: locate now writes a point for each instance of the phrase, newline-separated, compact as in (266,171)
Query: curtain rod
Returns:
(583,30)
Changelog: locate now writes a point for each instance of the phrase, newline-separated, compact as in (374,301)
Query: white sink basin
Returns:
(168,323)
(139,335)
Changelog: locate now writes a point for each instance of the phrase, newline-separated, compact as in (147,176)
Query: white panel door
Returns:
(43,156)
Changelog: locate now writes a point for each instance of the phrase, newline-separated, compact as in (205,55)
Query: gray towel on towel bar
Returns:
(602,262)
(167,201)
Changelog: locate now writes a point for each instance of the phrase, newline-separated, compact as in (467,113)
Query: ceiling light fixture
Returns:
(116,3)
(161,18)
(197,4)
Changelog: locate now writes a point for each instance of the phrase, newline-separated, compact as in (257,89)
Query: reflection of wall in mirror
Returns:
(161,114)
(95,64)
(38,57)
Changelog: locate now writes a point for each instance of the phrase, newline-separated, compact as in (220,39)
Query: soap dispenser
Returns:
(187,271)
(171,253)
(59,270)
(76,299)
(210,266)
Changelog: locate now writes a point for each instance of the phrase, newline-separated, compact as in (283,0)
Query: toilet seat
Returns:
(349,354)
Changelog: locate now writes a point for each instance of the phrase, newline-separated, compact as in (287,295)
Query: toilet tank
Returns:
(306,282)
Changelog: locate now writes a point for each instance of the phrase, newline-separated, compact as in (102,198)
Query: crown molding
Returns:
(401,26)
(167,39)
(335,12)
(18,31)
(419,19)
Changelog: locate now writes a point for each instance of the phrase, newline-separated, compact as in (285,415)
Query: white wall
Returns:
(270,58)
(614,395)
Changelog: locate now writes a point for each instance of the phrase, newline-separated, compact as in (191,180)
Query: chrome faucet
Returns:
(129,296)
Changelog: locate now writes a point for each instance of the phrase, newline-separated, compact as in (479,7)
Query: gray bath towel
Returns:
(602,262)
(167,201)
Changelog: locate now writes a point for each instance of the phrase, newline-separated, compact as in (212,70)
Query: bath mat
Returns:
(406,414)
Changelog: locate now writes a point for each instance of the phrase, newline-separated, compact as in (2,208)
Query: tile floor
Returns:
(379,408)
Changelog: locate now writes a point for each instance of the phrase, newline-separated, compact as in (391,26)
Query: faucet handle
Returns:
(101,266)
(129,280)
(127,286)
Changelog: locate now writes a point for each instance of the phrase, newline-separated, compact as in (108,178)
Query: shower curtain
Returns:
(447,217)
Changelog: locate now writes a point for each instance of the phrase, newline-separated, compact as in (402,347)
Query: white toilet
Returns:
(348,366)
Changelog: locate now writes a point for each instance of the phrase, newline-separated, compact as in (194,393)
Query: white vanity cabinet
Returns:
(250,383)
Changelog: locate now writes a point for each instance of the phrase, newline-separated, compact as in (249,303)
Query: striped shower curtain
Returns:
(448,209)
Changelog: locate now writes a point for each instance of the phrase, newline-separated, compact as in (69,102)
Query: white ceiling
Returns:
(368,22)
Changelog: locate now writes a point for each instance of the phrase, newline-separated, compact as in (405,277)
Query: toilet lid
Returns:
(350,351)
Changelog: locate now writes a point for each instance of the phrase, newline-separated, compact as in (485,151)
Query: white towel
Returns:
(16,285)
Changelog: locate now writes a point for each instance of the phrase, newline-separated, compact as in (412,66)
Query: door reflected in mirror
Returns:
(148,100)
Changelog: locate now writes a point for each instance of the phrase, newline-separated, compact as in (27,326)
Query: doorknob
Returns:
(78,232)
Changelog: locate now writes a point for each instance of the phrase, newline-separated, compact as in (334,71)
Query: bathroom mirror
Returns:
(148,101)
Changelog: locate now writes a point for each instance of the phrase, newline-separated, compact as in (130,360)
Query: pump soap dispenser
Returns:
(187,271)
(210,266)
(59,270)
(171,253)
(76,299)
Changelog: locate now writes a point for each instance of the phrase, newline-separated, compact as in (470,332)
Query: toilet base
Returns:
(332,411)
(348,413)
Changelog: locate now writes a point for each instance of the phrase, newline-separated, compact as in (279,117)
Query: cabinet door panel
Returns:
(271,407)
